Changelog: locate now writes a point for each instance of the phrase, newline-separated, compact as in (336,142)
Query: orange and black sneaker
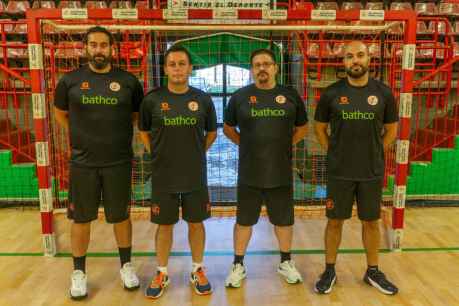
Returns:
(200,282)
(157,286)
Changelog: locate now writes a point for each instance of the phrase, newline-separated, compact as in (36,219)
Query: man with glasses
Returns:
(264,119)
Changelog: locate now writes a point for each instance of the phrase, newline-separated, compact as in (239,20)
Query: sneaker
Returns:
(200,282)
(157,285)
(128,277)
(237,274)
(78,289)
(377,279)
(325,284)
(289,272)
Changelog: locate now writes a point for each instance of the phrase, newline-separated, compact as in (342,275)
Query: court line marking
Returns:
(231,253)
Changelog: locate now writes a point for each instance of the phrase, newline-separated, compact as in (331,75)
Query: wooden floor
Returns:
(426,273)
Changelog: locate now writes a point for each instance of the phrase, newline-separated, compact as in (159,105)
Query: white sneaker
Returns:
(289,272)
(78,289)
(237,274)
(128,277)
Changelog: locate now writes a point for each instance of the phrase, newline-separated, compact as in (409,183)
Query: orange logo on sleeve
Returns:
(84,85)
(343,100)
(329,204)
(165,106)
(155,210)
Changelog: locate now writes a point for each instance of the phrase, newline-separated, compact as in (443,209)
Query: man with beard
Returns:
(271,118)
(358,110)
(98,104)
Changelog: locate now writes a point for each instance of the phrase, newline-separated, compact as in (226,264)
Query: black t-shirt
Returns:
(100,107)
(178,123)
(357,116)
(266,120)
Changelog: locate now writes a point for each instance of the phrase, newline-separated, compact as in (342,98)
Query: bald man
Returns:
(363,117)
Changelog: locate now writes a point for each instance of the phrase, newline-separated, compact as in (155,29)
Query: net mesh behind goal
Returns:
(309,60)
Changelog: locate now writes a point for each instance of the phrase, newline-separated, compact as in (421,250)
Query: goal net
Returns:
(308,46)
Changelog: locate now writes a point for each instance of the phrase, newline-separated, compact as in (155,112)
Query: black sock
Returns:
(330,267)
(285,256)
(372,267)
(238,259)
(125,255)
(79,263)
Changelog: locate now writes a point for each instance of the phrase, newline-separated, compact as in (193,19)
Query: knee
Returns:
(165,228)
(335,224)
(239,227)
(195,226)
(371,225)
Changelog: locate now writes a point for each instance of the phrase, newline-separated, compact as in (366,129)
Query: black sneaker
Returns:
(377,279)
(325,284)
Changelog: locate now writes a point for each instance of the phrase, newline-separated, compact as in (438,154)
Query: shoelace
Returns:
(326,276)
(380,277)
(202,279)
(78,282)
(157,282)
(236,266)
(130,273)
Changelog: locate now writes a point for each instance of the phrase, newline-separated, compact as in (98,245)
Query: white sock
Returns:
(196,266)
(162,269)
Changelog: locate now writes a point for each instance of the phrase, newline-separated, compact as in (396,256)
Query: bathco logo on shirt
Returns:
(267,112)
(180,121)
(99,100)
(357,115)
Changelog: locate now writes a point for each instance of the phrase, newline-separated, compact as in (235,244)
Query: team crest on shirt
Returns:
(165,106)
(252,100)
(281,99)
(329,204)
(193,106)
(343,100)
(372,100)
(115,86)
(84,86)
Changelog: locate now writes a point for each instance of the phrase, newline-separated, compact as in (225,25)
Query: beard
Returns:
(100,61)
(356,74)
(263,79)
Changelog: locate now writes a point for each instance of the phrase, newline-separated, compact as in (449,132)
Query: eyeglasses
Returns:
(264,65)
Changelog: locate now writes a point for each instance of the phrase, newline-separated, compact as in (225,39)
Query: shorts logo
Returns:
(343,100)
(115,86)
(372,100)
(84,86)
(329,204)
(155,210)
(280,99)
(252,100)
(193,106)
(165,106)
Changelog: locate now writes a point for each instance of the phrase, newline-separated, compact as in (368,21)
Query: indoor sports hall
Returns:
(413,50)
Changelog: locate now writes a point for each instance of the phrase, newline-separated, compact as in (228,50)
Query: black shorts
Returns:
(165,206)
(342,193)
(88,186)
(278,201)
